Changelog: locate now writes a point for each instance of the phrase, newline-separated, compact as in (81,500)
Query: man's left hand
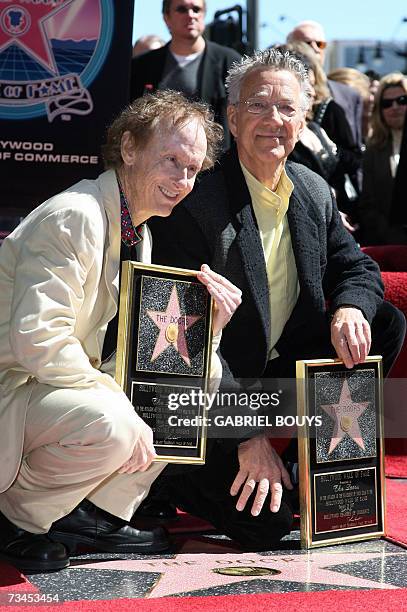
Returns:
(347,223)
(350,335)
(226,295)
(260,470)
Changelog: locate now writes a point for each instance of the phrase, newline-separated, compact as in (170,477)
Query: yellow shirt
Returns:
(270,209)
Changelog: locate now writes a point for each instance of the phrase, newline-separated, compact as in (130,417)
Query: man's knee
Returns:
(96,419)
(390,319)
(388,332)
(264,531)
(115,433)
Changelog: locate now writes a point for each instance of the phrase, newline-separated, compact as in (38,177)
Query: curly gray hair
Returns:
(274,60)
(164,109)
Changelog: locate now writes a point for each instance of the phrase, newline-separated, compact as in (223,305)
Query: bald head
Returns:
(313,34)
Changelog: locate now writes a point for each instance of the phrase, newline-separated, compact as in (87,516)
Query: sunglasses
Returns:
(183,10)
(321,44)
(388,103)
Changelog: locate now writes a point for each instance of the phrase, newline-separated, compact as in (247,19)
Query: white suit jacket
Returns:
(59,275)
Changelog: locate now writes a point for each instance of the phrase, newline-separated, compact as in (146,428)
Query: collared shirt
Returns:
(131,242)
(130,235)
(270,209)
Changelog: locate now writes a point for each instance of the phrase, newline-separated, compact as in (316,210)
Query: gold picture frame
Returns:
(164,352)
(341,451)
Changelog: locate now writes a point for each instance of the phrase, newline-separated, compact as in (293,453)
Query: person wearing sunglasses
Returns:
(381,161)
(312,33)
(187,63)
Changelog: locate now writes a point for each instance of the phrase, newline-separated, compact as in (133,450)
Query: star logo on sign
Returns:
(345,416)
(23,24)
(172,325)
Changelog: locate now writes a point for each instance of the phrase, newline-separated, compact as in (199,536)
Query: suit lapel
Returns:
(304,235)
(111,202)
(156,66)
(248,238)
(209,80)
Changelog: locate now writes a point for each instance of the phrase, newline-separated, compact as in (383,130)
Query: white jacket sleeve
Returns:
(51,272)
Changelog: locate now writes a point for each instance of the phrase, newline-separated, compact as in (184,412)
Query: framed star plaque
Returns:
(341,451)
(163,355)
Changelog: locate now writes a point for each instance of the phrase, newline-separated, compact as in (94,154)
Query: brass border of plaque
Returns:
(342,477)
(191,371)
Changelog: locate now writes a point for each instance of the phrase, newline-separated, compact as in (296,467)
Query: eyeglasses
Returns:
(183,10)
(258,106)
(388,102)
(321,44)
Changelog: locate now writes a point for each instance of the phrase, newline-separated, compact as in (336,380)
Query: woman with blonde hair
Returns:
(381,161)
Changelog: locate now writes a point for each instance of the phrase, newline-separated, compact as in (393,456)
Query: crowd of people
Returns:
(351,139)
(367,139)
(269,226)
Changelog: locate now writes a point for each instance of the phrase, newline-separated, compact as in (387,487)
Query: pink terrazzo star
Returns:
(23,24)
(345,415)
(191,572)
(172,325)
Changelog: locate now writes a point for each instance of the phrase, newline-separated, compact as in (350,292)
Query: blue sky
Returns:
(342,19)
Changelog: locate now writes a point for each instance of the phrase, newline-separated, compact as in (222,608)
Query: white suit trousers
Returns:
(75,441)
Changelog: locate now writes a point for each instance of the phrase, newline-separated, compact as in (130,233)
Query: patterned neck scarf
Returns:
(130,235)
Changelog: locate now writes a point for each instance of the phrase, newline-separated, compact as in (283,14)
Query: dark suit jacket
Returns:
(375,206)
(147,70)
(216,225)
(352,104)
(337,127)
(398,210)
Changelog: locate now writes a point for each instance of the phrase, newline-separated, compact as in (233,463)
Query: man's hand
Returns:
(350,335)
(260,466)
(347,223)
(143,452)
(226,295)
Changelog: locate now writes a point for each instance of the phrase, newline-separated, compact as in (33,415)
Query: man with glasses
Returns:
(312,33)
(308,291)
(188,63)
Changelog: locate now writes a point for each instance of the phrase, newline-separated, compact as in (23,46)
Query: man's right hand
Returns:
(259,466)
(143,452)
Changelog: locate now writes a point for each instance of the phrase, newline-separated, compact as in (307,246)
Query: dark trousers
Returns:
(204,492)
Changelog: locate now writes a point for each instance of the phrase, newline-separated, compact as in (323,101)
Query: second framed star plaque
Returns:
(163,355)
(341,451)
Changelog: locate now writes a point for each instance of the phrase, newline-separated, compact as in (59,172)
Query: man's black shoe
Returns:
(30,551)
(91,526)
(157,509)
